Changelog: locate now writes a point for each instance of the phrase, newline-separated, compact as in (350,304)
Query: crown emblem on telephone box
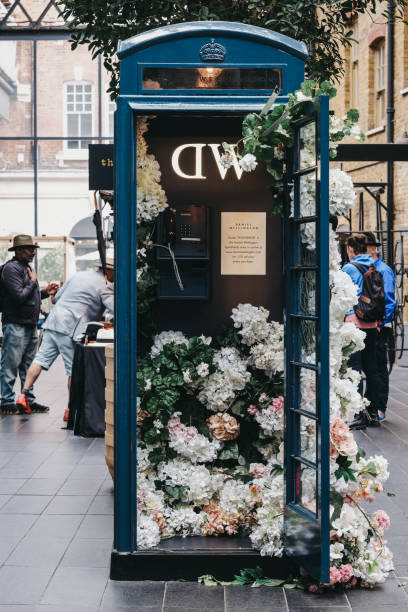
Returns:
(212,52)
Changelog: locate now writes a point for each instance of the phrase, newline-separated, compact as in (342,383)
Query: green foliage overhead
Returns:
(100,24)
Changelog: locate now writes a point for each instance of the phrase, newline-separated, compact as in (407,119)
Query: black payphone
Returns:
(185,230)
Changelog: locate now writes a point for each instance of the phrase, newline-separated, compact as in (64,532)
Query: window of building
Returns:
(78,111)
(379,84)
(354,80)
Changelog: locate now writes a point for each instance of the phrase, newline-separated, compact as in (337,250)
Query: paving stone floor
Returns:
(56,515)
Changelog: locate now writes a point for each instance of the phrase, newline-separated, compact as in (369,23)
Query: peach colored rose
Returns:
(223,426)
(341,438)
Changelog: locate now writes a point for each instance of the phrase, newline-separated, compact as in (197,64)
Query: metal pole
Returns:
(390,128)
(35,145)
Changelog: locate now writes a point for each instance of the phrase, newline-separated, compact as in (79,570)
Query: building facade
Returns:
(365,86)
(53,103)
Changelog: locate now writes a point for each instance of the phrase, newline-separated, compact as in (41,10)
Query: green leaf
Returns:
(353,115)
(327,89)
(230,451)
(249,124)
(241,460)
(308,88)
(336,500)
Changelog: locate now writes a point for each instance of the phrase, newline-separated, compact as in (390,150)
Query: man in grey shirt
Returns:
(82,298)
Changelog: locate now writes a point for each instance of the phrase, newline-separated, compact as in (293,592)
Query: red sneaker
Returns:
(23,404)
(66,415)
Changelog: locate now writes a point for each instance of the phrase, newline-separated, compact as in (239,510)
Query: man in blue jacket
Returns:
(386,328)
(364,360)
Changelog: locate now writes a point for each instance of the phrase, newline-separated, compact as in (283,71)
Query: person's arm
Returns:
(107,297)
(60,292)
(15,286)
(389,292)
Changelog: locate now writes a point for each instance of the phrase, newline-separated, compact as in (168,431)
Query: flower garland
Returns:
(210,412)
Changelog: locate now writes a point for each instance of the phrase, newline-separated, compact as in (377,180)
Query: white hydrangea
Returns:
(200,484)
(167,337)
(248,163)
(269,355)
(235,496)
(218,390)
(268,532)
(148,535)
(184,521)
(151,198)
(269,420)
(198,449)
(251,322)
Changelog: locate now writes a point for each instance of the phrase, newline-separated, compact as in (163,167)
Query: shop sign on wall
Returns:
(243,243)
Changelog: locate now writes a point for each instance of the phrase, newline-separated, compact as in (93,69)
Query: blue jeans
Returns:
(18,351)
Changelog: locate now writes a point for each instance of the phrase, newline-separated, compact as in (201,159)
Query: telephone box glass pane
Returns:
(307,333)
(307,292)
(211,78)
(307,195)
(307,157)
(307,390)
(306,488)
(308,438)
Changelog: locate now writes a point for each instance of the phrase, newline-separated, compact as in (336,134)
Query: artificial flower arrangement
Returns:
(210,410)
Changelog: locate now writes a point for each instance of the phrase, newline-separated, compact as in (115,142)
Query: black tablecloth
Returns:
(87,396)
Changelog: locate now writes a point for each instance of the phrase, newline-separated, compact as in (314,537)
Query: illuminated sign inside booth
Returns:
(198,166)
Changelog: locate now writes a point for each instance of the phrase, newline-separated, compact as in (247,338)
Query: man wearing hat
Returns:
(83,298)
(21,308)
(382,385)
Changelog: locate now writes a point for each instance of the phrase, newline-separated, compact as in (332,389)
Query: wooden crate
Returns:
(109,409)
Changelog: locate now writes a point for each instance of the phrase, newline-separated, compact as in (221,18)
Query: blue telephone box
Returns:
(210,74)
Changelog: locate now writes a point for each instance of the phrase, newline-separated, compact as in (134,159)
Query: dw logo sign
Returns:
(198,167)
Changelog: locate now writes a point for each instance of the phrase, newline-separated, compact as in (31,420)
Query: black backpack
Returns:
(2,288)
(371,303)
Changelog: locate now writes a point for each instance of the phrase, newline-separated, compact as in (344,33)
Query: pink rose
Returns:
(335,575)
(341,438)
(313,588)
(383,520)
(252,410)
(257,469)
(346,571)
(278,403)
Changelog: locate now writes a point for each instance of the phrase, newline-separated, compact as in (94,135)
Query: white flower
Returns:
(235,496)
(336,550)
(158,424)
(186,376)
(248,162)
(252,321)
(184,521)
(198,449)
(148,384)
(148,535)
(203,369)
(218,390)
(167,337)
(227,160)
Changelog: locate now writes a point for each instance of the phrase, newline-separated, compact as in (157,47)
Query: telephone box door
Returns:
(307,343)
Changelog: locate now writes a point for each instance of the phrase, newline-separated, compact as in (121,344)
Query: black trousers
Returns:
(383,377)
(366,361)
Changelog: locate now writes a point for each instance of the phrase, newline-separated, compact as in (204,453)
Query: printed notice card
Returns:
(243,243)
